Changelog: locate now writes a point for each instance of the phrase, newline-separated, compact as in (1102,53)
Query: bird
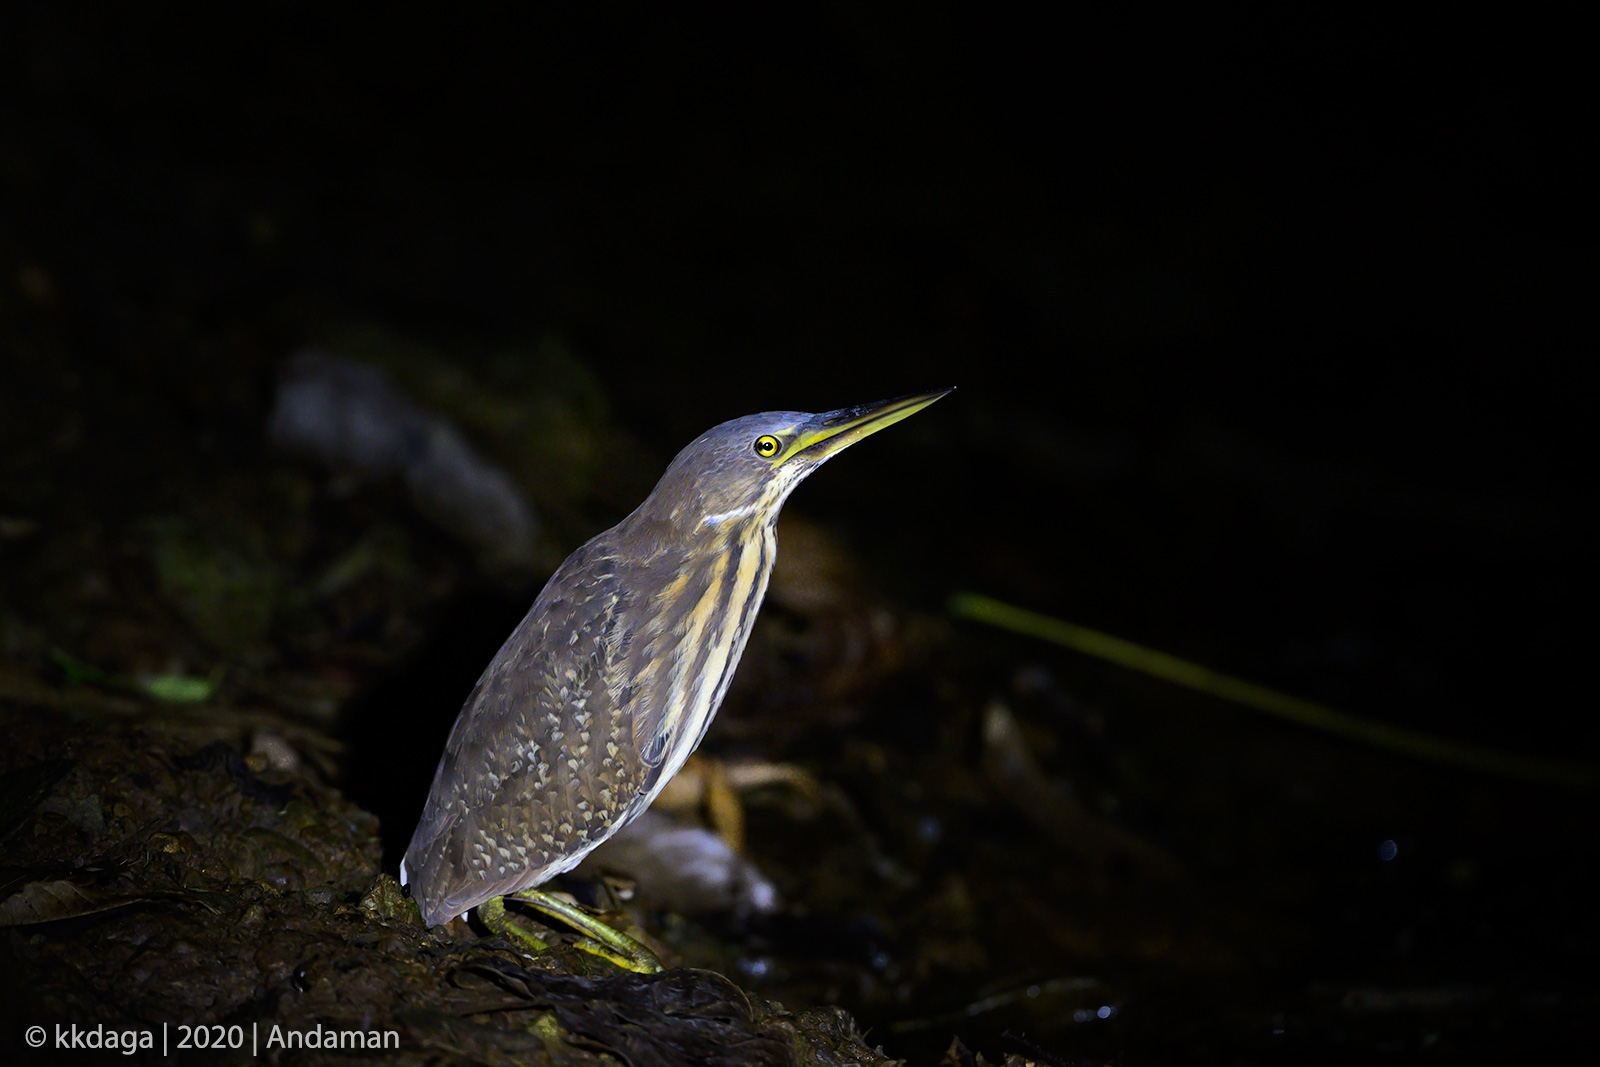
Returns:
(613,676)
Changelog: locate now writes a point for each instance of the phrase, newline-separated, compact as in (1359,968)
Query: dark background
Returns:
(1267,324)
(1271,328)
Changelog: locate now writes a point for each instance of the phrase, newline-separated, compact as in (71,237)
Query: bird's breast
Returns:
(706,617)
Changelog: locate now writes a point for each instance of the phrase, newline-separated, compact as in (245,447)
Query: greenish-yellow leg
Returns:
(599,939)
(492,913)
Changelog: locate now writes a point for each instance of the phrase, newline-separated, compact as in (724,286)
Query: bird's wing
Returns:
(540,766)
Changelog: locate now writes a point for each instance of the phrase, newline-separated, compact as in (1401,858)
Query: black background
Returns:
(1268,324)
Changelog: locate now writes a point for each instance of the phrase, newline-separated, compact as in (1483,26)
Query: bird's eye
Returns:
(767,446)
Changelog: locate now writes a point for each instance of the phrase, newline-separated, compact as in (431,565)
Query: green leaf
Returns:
(177,688)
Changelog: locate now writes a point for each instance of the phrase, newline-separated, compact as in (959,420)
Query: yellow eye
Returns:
(767,446)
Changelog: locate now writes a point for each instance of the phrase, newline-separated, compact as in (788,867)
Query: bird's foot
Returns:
(492,913)
(598,938)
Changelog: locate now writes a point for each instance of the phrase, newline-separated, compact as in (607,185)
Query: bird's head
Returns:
(745,469)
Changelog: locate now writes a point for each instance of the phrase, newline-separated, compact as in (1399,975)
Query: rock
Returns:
(350,414)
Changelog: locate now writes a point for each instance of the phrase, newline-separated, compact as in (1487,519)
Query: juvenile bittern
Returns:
(609,682)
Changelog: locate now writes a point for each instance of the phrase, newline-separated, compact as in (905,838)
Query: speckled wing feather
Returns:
(541,765)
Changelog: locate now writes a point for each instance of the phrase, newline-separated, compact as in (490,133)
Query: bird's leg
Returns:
(492,913)
(599,939)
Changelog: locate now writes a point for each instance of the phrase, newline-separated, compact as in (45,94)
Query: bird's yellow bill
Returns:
(823,435)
